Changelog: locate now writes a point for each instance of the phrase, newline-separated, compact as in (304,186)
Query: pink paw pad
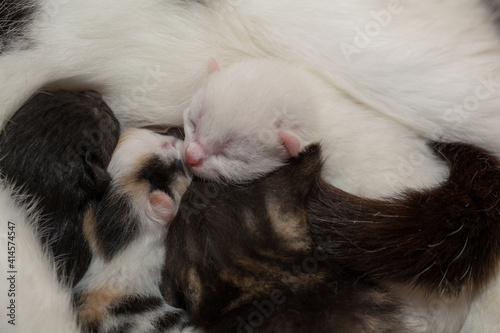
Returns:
(162,206)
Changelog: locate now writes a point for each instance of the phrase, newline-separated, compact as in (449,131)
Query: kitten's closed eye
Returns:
(176,132)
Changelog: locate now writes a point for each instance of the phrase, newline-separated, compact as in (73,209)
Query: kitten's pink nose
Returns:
(195,154)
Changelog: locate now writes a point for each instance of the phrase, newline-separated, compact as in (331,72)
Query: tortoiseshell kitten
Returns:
(240,259)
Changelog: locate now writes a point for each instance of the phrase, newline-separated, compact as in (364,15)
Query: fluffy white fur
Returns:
(411,60)
(42,304)
(253,115)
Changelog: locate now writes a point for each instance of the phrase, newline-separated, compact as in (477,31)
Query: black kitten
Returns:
(55,151)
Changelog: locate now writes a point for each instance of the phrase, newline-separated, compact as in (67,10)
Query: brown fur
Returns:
(93,305)
(237,248)
(90,232)
(442,239)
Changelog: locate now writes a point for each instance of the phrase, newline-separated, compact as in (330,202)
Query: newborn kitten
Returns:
(126,232)
(240,259)
(54,151)
(250,117)
(442,240)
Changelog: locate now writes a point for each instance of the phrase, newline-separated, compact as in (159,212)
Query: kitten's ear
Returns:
(291,142)
(95,178)
(213,66)
(162,207)
(101,176)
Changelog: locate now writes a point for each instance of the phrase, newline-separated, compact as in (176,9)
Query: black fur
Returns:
(113,237)
(440,239)
(240,259)
(137,305)
(121,221)
(161,175)
(55,149)
(494,8)
(15,16)
(170,320)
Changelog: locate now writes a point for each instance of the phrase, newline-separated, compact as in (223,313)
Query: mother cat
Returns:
(431,65)
(402,58)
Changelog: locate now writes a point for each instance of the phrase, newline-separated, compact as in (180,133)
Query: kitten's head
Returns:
(149,168)
(58,145)
(246,121)
(148,181)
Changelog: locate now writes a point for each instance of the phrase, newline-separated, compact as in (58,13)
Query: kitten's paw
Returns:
(161,209)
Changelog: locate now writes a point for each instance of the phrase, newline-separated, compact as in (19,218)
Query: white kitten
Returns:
(250,117)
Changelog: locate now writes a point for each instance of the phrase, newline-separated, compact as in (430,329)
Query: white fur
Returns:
(147,250)
(433,313)
(134,147)
(42,304)
(484,314)
(148,58)
(136,270)
(238,114)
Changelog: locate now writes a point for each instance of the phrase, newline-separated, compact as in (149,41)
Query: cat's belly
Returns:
(411,60)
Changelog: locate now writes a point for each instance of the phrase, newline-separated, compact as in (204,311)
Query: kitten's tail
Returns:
(439,239)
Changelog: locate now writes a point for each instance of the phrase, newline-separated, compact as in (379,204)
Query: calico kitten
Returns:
(121,290)
(241,259)
(54,151)
(442,239)
(276,109)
